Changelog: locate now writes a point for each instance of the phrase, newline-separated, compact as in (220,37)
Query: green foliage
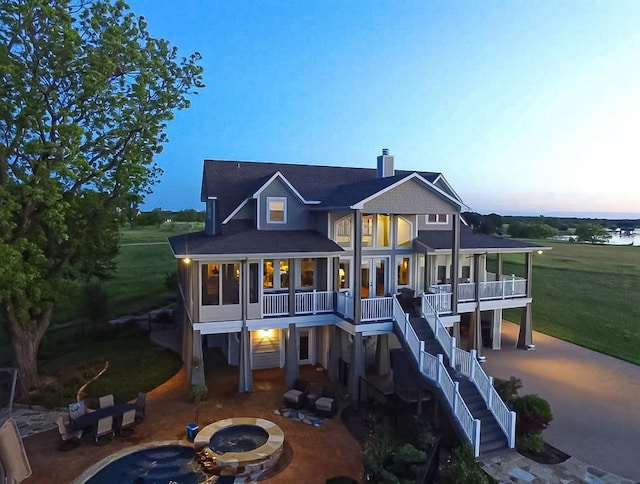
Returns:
(171,281)
(426,438)
(86,97)
(533,414)
(508,389)
(532,443)
(465,470)
(592,232)
(531,231)
(199,392)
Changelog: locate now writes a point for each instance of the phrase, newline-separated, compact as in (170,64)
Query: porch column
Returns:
(525,336)
(496,329)
(356,370)
(427,272)
(499,268)
(335,352)
(291,355)
(382,355)
(476,329)
(245,374)
(455,255)
(335,274)
(195,367)
(292,287)
(357,266)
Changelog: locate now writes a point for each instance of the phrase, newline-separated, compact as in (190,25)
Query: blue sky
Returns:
(527,107)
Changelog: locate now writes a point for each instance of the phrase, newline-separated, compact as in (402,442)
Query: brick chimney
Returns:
(385,164)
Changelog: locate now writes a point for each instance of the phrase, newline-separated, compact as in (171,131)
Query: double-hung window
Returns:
(437,218)
(276,210)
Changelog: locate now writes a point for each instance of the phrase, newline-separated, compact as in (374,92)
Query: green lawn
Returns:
(586,294)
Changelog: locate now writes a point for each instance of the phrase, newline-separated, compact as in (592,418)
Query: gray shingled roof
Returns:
(240,237)
(441,239)
(232,182)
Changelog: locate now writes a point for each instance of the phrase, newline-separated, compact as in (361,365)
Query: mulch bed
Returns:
(549,455)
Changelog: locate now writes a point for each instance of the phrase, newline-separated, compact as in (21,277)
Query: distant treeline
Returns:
(157,216)
(540,227)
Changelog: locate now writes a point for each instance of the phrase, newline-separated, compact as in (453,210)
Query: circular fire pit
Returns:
(242,445)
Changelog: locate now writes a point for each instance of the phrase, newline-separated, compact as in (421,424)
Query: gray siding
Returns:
(409,198)
(297,214)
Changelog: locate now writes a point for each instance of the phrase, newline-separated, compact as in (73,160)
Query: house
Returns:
(302,264)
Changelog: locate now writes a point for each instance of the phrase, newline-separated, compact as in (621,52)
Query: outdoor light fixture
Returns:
(539,252)
(186,260)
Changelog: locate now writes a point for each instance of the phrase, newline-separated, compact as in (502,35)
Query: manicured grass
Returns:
(137,235)
(135,365)
(586,294)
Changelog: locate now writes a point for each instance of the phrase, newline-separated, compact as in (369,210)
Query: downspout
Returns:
(455,255)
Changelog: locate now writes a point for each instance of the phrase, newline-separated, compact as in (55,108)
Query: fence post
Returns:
(476,437)
(490,396)
(504,288)
(315,302)
(512,430)
(452,355)
(421,358)
(472,364)
(456,395)
(440,365)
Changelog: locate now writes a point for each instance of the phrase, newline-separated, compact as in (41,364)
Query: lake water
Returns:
(626,238)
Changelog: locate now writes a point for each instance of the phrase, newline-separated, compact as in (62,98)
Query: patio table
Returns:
(90,419)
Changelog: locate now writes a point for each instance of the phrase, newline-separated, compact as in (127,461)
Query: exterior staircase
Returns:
(461,389)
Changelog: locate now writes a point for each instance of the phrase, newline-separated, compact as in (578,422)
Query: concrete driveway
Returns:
(595,399)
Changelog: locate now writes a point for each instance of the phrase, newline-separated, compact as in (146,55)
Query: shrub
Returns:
(199,391)
(426,438)
(531,443)
(465,468)
(534,414)
(508,389)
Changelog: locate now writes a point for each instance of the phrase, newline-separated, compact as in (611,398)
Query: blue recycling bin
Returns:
(192,431)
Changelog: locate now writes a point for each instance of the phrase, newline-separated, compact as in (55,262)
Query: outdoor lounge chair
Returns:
(106,401)
(297,395)
(327,404)
(69,436)
(104,429)
(125,428)
(141,403)
(76,409)
(13,458)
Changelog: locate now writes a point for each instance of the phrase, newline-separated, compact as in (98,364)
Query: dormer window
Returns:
(276,210)
(437,218)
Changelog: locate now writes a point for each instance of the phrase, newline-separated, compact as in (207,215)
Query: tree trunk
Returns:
(25,344)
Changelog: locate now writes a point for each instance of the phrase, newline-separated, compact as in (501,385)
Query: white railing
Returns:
(466,363)
(440,302)
(311,302)
(507,288)
(377,308)
(314,302)
(433,368)
(467,291)
(275,304)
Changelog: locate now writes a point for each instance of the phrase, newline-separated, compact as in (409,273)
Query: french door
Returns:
(374,277)
(305,346)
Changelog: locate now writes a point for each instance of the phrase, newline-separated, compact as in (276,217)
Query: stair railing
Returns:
(466,363)
(433,368)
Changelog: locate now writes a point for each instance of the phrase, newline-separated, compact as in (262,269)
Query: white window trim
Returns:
(426,219)
(410,271)
(335,231)
(276,199)
(374,233)
(397,228)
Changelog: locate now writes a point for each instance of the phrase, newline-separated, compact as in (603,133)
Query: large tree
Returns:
(86,93)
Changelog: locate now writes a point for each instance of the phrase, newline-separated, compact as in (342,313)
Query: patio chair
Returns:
(104,428)
(106,401)
(141,403)
(76,409)
(125,428)
(297,395)
(327,404)
(70,438)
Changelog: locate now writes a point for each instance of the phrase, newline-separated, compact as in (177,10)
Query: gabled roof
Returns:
(232,182)
(435,240)
(240,238)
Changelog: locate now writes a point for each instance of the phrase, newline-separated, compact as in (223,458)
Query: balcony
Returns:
(318,302)
(508,288)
